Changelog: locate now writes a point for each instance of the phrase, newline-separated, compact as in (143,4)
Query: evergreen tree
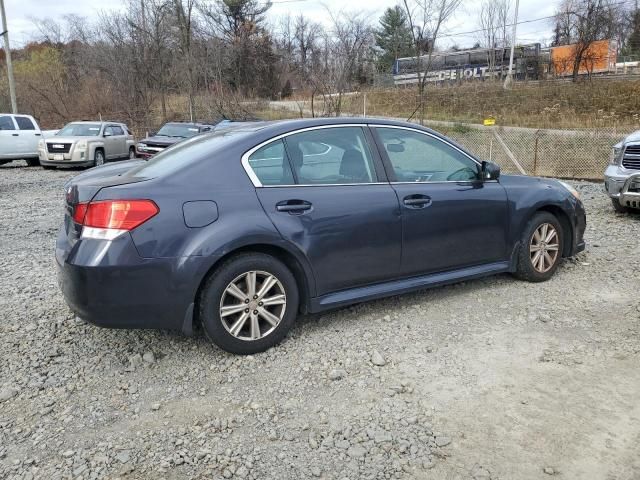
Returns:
(393,38)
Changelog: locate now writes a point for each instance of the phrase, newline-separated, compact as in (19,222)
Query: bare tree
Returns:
(493,25)
(426,19)
(581,23)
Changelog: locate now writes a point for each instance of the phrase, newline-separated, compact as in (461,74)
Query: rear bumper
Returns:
(110,285)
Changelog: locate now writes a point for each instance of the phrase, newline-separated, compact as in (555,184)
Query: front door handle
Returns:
(294,207)
(417,201)
(15,134)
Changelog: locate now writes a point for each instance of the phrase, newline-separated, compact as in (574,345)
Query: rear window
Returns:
(25,123)
(176,157)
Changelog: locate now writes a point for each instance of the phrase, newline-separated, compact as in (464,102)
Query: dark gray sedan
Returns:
(242,229)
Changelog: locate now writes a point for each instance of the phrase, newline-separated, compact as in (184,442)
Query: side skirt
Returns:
(397,287)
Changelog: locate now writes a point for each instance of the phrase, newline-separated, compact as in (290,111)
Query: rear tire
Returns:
(541,246)
(617,207)
(132,153)
(233,308)
(33,162)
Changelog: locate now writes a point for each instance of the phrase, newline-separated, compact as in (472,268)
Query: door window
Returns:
(271,164)
(117,130)
(338,155)
(25,123)
(6,123)
(417,157)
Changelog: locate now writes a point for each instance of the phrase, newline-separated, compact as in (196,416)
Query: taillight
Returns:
(106,219)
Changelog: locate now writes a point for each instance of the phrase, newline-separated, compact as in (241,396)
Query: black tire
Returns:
(132,153)
(99,157)
(617,207)
(216,285)
(525,269)
(33,162)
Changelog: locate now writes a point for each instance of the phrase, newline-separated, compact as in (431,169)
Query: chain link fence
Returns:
(575,153)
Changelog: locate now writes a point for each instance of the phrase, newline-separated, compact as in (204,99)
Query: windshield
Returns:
(80,130)
(177,130)
(177,156)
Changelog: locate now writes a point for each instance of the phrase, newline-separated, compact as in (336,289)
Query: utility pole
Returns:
(7,52)
(509,80)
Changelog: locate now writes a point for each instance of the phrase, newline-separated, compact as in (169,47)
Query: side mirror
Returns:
(106,134)
(490,171)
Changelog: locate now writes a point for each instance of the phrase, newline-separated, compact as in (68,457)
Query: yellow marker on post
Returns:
(489,121)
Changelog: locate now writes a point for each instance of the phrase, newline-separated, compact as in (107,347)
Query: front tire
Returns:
(132,153)
(98,158)
(541,246)
(249,304)
(617,207)
(33,162)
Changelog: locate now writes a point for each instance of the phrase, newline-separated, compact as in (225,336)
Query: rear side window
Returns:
(271,164)
(25,123)
(6,123)
(328,156)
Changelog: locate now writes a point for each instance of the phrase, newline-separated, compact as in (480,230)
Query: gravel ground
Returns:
(493,378)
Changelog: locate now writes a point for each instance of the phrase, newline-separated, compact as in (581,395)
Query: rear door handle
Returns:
(15,134)
(294,207)
(417,201)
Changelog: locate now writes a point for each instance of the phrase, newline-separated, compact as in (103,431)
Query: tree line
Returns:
(210,56)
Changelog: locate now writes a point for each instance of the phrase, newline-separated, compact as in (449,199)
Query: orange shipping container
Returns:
(600,57)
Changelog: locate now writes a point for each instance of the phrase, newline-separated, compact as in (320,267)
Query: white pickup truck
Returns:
(19,137)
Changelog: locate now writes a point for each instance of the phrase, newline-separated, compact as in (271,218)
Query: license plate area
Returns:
(58,157)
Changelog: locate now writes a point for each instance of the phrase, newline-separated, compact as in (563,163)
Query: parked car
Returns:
(170,134)
(87,144)
(244,228)
(19,137)
(622,176)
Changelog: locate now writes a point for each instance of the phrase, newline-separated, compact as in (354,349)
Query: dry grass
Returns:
(595,104)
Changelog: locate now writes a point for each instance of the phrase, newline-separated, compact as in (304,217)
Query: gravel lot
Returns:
(493,378)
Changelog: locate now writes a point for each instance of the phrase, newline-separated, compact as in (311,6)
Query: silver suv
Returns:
(83,144)
(622,176)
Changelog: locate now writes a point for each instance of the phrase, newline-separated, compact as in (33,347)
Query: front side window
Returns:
(337,155)
(271,164)
(25,123)
(417,157)
(116,130)
(6,123)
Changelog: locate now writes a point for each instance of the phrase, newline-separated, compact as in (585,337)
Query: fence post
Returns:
(364,104)
(535,154)
(509,153)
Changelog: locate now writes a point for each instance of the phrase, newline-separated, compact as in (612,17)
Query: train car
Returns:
(476,63)
(599,58)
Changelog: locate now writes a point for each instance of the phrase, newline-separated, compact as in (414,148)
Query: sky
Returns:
(22,13)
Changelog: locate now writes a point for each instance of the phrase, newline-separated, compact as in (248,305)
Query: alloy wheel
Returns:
(544,247)
(253,305)
(99,158)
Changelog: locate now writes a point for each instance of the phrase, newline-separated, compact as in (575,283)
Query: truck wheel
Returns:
(98,157)
(33,162)
(132,153)
(617,207)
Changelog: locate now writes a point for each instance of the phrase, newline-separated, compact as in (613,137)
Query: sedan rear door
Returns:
(327,194)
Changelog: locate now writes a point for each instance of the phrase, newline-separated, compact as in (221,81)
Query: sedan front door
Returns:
(450,218)
(325,191)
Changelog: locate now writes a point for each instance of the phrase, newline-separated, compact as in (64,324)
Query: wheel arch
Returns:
(305,284)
